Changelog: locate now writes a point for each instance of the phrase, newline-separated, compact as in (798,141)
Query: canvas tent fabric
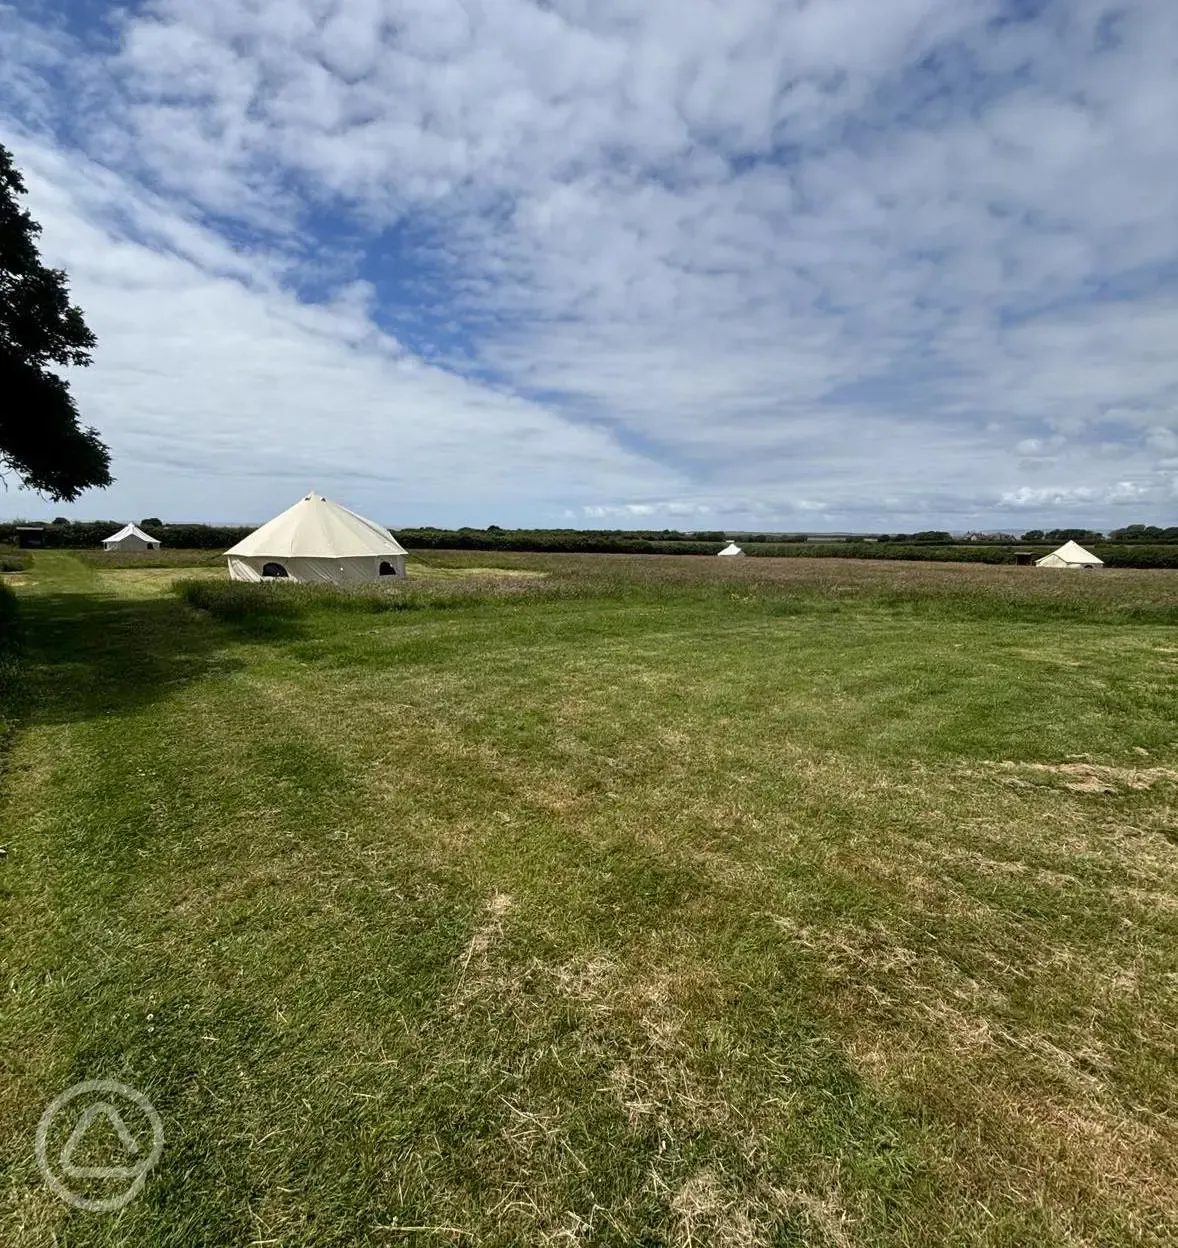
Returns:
(317,540)
(131,537)
(1070,555)
(730,550)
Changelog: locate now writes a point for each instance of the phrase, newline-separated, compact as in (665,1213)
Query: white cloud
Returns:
(1118,494)
(224,396)
(899,261)
(681,509)
(1162,441)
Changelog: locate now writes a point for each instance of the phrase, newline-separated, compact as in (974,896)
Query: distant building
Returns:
(30,536)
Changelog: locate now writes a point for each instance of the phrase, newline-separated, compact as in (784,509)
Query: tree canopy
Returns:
(41,439)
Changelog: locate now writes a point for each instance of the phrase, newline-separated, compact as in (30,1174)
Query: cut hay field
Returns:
(635,901)
(163,558)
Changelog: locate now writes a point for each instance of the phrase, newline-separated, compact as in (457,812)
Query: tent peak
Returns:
(131,530)
(316,527)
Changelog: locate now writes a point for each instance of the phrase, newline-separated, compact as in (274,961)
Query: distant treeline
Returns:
(1138,545)
(64,533)
(568,541)
(1114,555)
(69,533)
(1133,533)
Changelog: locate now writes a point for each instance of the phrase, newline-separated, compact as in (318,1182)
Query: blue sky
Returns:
(800,264)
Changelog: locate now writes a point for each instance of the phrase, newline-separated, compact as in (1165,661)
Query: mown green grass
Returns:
(641,902)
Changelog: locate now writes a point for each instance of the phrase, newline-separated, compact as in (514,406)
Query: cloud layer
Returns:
(787,264)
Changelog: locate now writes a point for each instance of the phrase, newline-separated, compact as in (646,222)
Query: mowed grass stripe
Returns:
(613,921)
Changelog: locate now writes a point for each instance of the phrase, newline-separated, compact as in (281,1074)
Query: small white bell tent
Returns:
(317,540)
(729,551)
(1070,555)
(131,537)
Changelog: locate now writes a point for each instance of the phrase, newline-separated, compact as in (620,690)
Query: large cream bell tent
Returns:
(317,540)
(130,537)
(730,551)
(1070,555)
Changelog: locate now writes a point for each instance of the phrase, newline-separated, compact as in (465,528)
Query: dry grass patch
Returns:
(923,1027)
(1086,777)
(708,1215)
(473,969)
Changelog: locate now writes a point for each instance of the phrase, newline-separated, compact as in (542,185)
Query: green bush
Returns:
(10,648)
(237,600)
(13,560)
(9,621)
(1137,555)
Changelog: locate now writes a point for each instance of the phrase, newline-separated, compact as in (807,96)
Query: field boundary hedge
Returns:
(1120,555)
(1127,554)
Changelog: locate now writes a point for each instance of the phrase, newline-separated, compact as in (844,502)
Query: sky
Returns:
(773,264)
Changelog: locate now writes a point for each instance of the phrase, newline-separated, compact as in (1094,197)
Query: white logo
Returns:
(135,1158)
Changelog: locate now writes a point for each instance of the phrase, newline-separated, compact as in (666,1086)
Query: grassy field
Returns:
(160,558)
(601,900)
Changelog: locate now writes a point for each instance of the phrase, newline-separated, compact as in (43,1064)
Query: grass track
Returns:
(642,911)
